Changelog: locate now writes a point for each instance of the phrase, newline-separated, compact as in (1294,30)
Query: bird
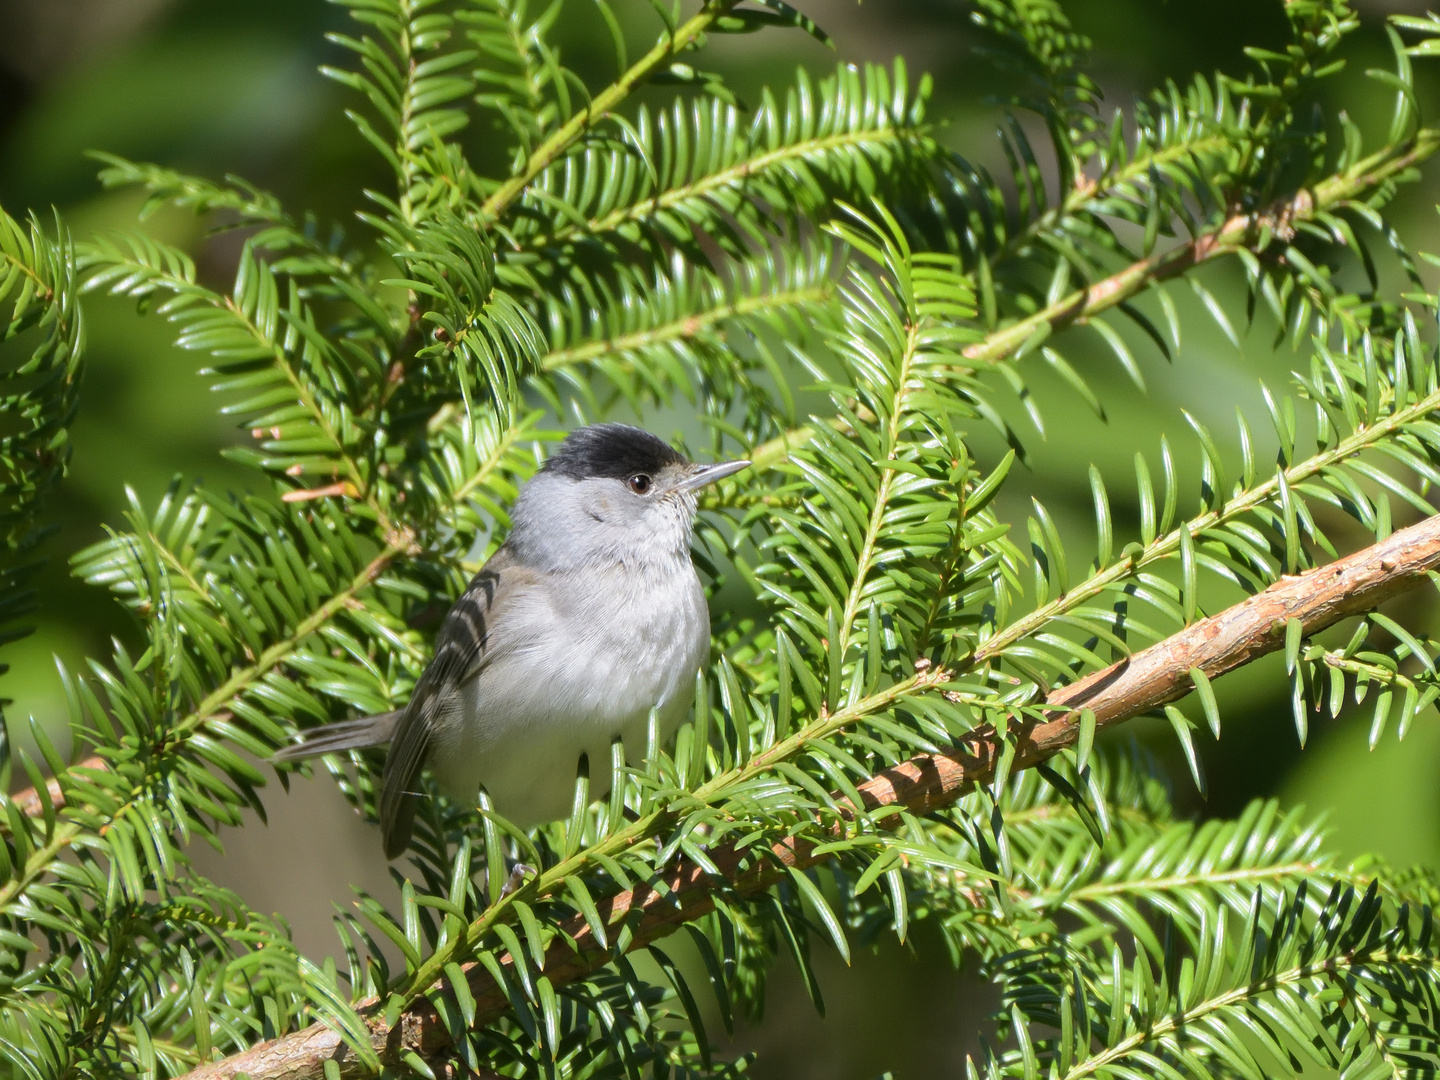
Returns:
(589,616)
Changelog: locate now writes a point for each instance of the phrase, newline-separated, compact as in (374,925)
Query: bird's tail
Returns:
(343,735)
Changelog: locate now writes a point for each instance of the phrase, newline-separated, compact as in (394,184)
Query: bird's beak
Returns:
(708,474)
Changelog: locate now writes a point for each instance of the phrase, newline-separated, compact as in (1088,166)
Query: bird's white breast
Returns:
(576,664)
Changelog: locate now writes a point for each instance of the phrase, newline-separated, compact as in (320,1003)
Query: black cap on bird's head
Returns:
(611,452)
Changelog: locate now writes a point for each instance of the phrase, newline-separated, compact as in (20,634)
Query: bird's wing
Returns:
(467,642)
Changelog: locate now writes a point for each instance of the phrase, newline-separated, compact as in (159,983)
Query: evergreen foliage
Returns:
(399,381)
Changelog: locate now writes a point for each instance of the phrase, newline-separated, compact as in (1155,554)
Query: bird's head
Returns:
(611,493)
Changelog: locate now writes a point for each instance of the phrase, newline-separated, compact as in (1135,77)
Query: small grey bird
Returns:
(586,618)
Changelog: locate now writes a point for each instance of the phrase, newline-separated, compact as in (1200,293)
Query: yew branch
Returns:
(1239,232)
(1236,636)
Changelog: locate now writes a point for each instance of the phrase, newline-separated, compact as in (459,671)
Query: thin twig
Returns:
(928,782)
(29,802)
(1237,233)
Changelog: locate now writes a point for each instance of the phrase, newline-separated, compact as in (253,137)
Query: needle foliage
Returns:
(823,282)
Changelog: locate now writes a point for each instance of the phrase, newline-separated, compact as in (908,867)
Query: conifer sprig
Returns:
(908,728)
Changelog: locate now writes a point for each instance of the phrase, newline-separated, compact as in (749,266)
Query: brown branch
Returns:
(29,802)
(343,489)
(1137,685)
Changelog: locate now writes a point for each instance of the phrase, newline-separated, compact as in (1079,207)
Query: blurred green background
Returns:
(230,86)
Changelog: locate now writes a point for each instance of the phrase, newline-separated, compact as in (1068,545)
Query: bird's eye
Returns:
(639,483)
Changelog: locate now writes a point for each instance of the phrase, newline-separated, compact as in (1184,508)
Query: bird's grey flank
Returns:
(587,617)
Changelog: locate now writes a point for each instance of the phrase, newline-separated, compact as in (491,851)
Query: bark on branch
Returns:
(1145,681)
(32,804)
